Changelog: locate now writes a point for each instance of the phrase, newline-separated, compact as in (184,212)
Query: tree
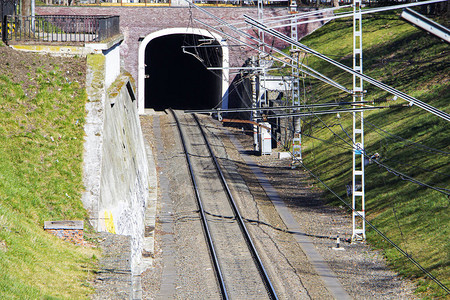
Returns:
(26,7)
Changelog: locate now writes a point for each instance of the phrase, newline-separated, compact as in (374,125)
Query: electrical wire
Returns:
(388,168)
(391,170)
(398,248)
(402,176)
(416,167)
(427,148)
(396,172)
(377,83)
(409,178)
(403,252)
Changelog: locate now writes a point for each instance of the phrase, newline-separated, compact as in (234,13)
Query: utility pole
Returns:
(358,194)
(297,138)
(262,79)
(254,82)
(26,13)
(26,7)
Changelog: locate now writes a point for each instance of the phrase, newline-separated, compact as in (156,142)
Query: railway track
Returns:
(239,271)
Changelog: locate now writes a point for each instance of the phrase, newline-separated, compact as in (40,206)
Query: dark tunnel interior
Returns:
(179,80)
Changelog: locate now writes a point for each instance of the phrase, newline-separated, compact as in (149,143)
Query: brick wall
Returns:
(74,236)
(136,22)
(70,231)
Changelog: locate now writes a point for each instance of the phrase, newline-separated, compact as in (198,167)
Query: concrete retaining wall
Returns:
(124,174)
(112,64)
(115,162)
(93,140)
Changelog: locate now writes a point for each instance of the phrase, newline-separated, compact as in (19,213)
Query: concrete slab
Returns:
(64,224)
(284,155)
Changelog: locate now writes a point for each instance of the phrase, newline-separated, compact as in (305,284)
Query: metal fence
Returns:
(60,28)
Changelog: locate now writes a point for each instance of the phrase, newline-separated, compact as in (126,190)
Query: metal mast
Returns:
(262,63)
(256,88)
(254,81)
(297,139)
(358,189)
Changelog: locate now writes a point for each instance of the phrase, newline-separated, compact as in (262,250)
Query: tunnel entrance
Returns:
(176,74)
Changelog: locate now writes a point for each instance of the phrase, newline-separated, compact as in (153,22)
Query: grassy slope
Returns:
(414,217)
(41,138)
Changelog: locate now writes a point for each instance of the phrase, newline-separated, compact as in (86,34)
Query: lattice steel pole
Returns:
(254,82)
(297,138)
(358,197)
(262,81)
(260,19)
(256,88)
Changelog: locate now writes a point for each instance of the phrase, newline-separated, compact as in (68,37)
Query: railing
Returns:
(242,2)
(60,28)
(141,3)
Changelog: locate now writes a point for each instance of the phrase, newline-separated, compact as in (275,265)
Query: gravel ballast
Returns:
(362,272)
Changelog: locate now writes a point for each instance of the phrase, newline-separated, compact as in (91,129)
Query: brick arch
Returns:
(170,31)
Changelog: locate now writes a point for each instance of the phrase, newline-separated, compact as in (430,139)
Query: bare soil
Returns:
(22,67)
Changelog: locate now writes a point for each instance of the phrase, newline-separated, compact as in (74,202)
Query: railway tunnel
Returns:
(177,72)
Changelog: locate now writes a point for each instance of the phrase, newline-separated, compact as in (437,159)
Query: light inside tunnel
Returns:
(177,74)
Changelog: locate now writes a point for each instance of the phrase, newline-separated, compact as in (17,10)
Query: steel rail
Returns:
(371,80)
(212,251)
(239,219)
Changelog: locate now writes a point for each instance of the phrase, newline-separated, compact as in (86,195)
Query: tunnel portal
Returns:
(177,75)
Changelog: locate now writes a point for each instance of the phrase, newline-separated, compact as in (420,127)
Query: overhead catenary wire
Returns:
(365,11)
(417,167)
(205,60)
(310,72)
(350,146)
(388,168)
(286,18)
(336,144)
(313,73)
(320,112)
(377,83)
(272,108)
(411,179)
(405,252)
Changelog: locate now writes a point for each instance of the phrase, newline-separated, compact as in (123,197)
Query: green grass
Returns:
(415,217)
(41,138)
